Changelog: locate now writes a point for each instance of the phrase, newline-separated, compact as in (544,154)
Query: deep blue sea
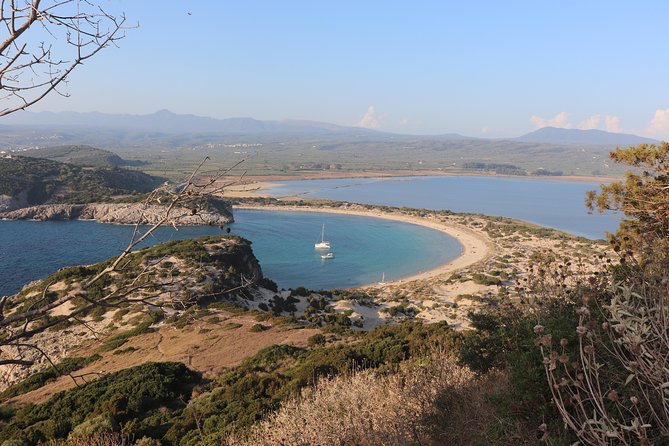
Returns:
(283,242)
(557,204)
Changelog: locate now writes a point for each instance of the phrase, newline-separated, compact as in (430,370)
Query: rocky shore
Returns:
(123,213)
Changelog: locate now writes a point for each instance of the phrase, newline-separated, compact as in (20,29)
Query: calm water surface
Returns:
(283,242)
(556,204)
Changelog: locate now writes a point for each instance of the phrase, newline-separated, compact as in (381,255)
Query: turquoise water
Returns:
(556,204)
(283,242)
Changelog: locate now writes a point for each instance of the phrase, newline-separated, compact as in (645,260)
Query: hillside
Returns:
(28,181)
(78,155)
(186,273)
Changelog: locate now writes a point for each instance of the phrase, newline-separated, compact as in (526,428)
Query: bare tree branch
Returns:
(45,41)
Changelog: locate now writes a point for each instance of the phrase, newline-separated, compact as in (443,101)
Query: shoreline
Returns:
(326,175)
(476,247)
(259,187)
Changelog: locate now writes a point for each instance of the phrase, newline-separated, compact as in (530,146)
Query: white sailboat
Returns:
(323,244)
(383,279)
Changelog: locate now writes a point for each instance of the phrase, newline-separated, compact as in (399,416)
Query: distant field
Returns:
(266,156)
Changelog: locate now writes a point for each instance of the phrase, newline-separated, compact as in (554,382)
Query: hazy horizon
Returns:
(23,118)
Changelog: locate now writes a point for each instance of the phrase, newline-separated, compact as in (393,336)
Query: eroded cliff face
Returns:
(217,213)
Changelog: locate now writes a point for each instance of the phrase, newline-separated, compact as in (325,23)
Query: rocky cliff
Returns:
(217,212)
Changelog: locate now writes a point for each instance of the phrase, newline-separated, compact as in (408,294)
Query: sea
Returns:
(553,203)
(365,248)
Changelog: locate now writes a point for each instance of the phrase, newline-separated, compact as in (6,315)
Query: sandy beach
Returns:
(254,186)
(492,261)
(476,247)
(393,174)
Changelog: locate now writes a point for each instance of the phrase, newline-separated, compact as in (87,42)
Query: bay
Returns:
(552,203)
(283,242)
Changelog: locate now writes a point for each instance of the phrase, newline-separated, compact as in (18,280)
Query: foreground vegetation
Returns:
(160,401)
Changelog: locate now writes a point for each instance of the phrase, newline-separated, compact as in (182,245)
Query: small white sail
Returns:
(323,244)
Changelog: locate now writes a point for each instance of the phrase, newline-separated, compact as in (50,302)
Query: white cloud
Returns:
(370,120)
(404,121)
(559,121)
(659,125)
(612,124)
(589,123)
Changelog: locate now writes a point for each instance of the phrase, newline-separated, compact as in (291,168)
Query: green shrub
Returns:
(300,291)
(482,279)
(124,396)
(120,339)
(94,425)
(317,339)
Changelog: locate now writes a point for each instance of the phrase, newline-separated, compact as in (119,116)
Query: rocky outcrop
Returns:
(217,212)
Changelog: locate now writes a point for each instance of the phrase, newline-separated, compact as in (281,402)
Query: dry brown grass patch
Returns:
(434,402)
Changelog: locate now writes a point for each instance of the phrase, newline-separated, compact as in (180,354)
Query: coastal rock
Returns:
(217,212)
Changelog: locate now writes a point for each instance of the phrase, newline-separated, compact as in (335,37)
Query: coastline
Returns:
(390,174)
(476,247)
(257,186)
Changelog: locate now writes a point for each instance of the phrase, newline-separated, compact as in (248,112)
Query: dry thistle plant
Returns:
(611,385)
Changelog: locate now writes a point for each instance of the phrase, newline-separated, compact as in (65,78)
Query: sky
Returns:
(479,68)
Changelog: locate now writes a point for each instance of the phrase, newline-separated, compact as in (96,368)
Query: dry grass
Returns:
(210,352)
(436,402)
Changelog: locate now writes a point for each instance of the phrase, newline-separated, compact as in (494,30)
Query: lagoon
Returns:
(553,203)
(283,242)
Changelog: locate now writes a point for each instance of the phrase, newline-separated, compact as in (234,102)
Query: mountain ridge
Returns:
(554,135)
(165,121)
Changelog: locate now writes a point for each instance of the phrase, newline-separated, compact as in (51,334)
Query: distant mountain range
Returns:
(162,140)
(164,121)
(554,135)
(168,123)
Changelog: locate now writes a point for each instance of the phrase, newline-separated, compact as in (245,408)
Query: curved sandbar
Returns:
(476,246)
